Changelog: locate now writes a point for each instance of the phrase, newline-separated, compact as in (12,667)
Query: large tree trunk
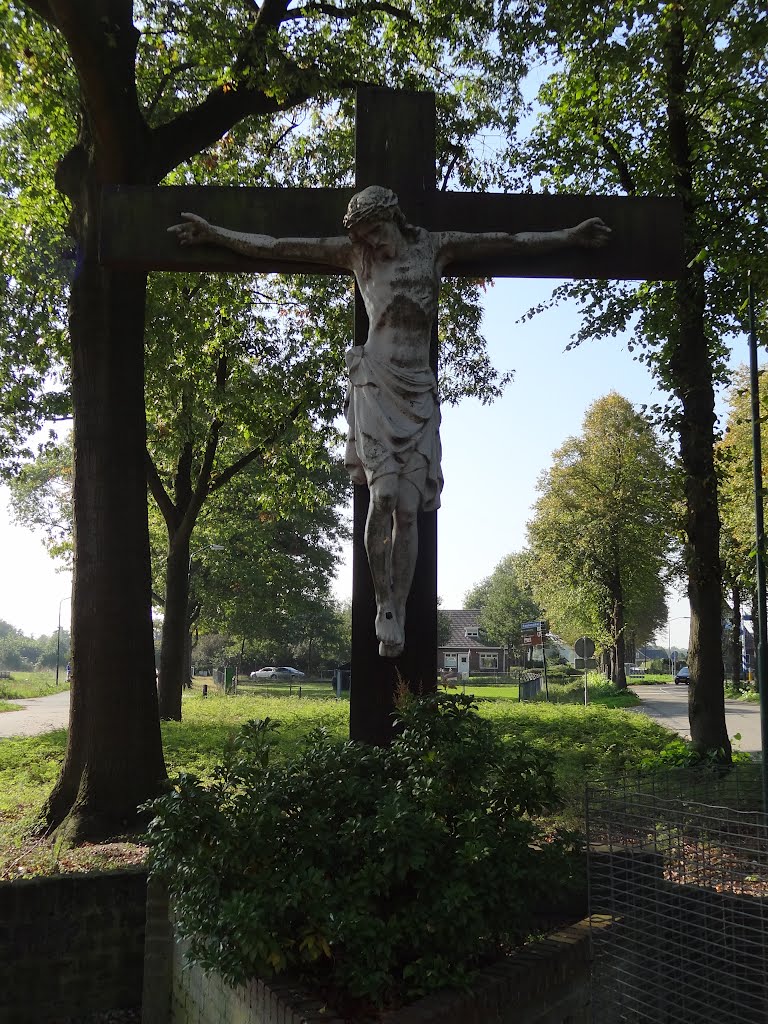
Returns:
(174,664)
(114,760)
(114,757)
(691,368)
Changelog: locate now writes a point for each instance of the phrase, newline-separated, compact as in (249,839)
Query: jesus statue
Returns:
(392,407)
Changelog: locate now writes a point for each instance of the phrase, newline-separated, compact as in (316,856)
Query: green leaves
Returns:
(603,525)
(374,870)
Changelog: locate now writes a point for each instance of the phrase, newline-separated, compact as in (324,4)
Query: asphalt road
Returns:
(668,704)
(36,715)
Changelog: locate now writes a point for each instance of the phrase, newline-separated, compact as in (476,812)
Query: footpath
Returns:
(35,715)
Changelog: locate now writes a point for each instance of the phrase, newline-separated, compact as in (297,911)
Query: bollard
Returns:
(205,689)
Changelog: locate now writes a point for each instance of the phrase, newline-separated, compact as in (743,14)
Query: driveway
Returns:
(36,715)
(669,706)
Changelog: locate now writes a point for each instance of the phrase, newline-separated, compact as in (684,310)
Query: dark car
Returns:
(682,676)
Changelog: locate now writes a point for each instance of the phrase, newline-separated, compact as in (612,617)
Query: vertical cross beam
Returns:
(394,146)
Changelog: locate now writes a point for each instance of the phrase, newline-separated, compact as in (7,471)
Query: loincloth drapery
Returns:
(394,423)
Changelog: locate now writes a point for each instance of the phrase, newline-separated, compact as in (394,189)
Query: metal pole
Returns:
(58,646)
(762,643)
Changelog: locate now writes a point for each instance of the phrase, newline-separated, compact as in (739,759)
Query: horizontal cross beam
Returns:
(647,240)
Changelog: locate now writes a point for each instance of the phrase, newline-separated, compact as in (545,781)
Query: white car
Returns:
(277,672)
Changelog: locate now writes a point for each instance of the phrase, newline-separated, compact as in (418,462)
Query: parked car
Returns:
(682,676)
(277,672)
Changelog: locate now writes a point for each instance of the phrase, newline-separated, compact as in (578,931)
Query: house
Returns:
(466,651)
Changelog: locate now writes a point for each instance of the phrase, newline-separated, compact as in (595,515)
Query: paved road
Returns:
(36,715)
(669,706)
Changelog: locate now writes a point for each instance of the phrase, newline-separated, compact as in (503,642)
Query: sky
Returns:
(492,457)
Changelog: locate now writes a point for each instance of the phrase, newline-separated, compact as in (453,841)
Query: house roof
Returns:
(463,619)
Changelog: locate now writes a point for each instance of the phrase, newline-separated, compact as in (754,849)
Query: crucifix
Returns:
(397,267)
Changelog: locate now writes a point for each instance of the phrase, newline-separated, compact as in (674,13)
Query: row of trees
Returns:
(600,541)
(319,640)
(19,652)
(668,98)
(604,537)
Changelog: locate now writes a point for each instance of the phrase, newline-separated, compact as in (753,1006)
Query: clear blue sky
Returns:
(492,456)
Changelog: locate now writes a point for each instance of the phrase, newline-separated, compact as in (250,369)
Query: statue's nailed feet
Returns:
(390,633)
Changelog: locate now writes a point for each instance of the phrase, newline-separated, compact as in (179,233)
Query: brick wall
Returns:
(71,945)
(547,983)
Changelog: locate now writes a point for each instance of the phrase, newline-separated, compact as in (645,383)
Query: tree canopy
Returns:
(505,599)
(602,531)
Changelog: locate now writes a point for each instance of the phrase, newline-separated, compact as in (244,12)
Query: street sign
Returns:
(588,664)
(538,626)
(584,647)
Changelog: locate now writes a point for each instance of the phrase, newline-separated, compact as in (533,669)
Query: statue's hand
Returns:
(591,234)
(196,230)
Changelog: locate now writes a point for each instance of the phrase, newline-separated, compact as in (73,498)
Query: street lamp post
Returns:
(58,637)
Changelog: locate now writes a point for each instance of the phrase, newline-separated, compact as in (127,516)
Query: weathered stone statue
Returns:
(392,407)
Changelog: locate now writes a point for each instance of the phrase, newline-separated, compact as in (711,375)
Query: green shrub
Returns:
(382,873)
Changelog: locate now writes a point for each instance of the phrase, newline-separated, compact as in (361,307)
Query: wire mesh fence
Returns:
(678,873)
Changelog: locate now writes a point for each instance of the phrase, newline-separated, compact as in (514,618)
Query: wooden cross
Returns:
(395,147)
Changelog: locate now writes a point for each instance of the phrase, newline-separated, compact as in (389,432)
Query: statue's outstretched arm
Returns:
(336,250)
(458,245)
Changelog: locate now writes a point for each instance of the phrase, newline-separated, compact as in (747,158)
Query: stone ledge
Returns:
(544,983)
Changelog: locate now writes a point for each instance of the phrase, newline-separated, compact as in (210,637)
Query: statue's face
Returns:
(382,236)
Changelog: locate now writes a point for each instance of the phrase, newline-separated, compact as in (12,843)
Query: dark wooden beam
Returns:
(647,238)
(395,136)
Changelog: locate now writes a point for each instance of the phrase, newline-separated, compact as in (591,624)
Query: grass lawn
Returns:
(283,687)
(31,684)
(579,741)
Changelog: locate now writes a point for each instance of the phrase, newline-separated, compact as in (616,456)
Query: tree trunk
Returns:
(691,369)
(619,674)
(174,665)
(736,645)
(114,759)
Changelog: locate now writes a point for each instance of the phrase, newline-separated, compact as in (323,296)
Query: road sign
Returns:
(584,647)
(588,664)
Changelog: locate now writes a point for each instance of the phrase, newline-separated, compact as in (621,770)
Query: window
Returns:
(489,661)
(450,661)
(472,631)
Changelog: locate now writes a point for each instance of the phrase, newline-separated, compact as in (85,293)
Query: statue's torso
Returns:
(400,297)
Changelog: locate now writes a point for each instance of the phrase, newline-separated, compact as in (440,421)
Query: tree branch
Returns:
(199,128)
(168,77)
(202,487)
(620,164)
(104,51)
(245,460)
(42,9)
(346,13)
(159,493)
(226,105)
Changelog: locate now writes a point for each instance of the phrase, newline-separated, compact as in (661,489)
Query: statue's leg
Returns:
(405,541)
(378,545)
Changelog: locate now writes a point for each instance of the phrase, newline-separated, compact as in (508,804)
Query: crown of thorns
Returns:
(374,201)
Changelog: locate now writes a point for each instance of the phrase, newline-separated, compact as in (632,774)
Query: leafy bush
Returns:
(680,753)
(380,872)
